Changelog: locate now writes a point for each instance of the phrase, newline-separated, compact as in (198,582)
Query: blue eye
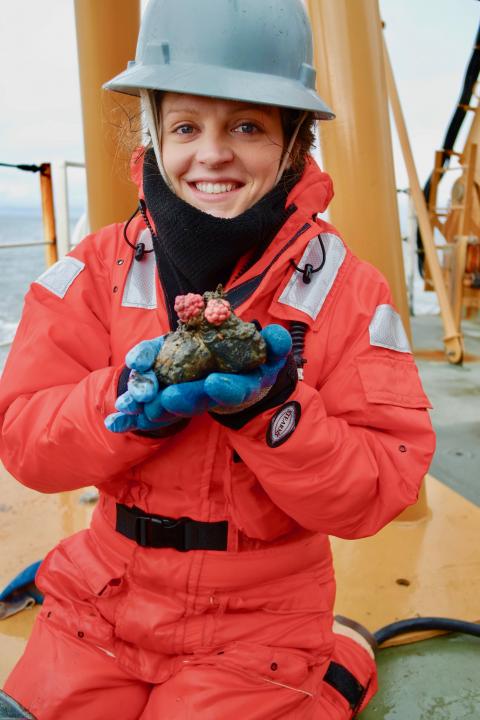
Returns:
(184,130)
(246,128)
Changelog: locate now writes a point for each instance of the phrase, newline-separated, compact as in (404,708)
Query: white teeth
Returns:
(214,188)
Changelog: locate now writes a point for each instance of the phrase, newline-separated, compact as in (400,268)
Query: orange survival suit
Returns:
(263,608)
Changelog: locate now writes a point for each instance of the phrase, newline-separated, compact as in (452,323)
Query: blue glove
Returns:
(234,398)
(142,390)
(147,407)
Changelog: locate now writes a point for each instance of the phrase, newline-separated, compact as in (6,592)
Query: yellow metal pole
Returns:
(48,214)
(473,137)
(452,337)
(467,210)
(357,146)
(106,38)
(462,240)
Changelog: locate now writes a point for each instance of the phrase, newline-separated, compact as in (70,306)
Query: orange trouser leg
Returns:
(63,678)
(213,692)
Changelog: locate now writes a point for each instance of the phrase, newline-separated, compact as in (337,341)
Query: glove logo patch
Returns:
(283,423)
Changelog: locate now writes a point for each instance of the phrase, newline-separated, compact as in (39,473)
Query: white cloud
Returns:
(41,111)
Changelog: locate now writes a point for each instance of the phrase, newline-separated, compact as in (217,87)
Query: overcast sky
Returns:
(430,42)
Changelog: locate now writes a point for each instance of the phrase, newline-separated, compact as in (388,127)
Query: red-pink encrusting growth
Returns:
(217,311)
(188,306)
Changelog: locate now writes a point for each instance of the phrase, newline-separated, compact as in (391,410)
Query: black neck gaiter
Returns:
(196,251)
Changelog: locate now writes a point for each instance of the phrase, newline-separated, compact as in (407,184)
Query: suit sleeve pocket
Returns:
(392,381)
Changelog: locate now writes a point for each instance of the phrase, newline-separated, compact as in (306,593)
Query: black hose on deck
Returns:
(426,623)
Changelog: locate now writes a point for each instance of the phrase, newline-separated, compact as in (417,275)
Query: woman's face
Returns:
(221,156)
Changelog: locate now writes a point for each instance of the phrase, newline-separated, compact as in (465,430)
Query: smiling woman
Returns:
(204,587)
(220,156)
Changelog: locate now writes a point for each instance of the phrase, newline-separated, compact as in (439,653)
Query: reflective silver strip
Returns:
(61,275)
(387,331)
(140,289)
(310,298)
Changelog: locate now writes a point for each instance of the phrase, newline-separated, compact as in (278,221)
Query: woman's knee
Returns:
(60,676)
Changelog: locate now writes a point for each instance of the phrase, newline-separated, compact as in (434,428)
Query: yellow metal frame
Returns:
(452,336)
(460,230)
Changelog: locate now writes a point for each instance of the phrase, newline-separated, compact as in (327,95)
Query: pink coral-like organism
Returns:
(217,311)
(209,338)
(188,306)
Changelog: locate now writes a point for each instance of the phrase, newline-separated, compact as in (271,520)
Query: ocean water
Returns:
(20,266)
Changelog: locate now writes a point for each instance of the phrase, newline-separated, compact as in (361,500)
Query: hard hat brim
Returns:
(222,83)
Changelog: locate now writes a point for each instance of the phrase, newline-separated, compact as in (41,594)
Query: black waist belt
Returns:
(181,534)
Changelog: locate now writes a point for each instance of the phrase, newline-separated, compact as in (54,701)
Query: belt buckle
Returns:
(141,532)
(144,525)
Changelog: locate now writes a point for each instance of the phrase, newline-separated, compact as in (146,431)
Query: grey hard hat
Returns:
(256,51)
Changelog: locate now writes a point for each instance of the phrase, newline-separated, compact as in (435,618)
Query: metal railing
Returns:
(55,215)
(62,212)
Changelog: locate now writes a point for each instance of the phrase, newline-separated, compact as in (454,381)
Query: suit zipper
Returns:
(239,294)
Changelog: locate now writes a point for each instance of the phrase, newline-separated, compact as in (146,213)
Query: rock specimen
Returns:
(209,338)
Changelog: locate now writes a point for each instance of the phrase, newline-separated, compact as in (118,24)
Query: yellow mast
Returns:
(107,33)
(357,146)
